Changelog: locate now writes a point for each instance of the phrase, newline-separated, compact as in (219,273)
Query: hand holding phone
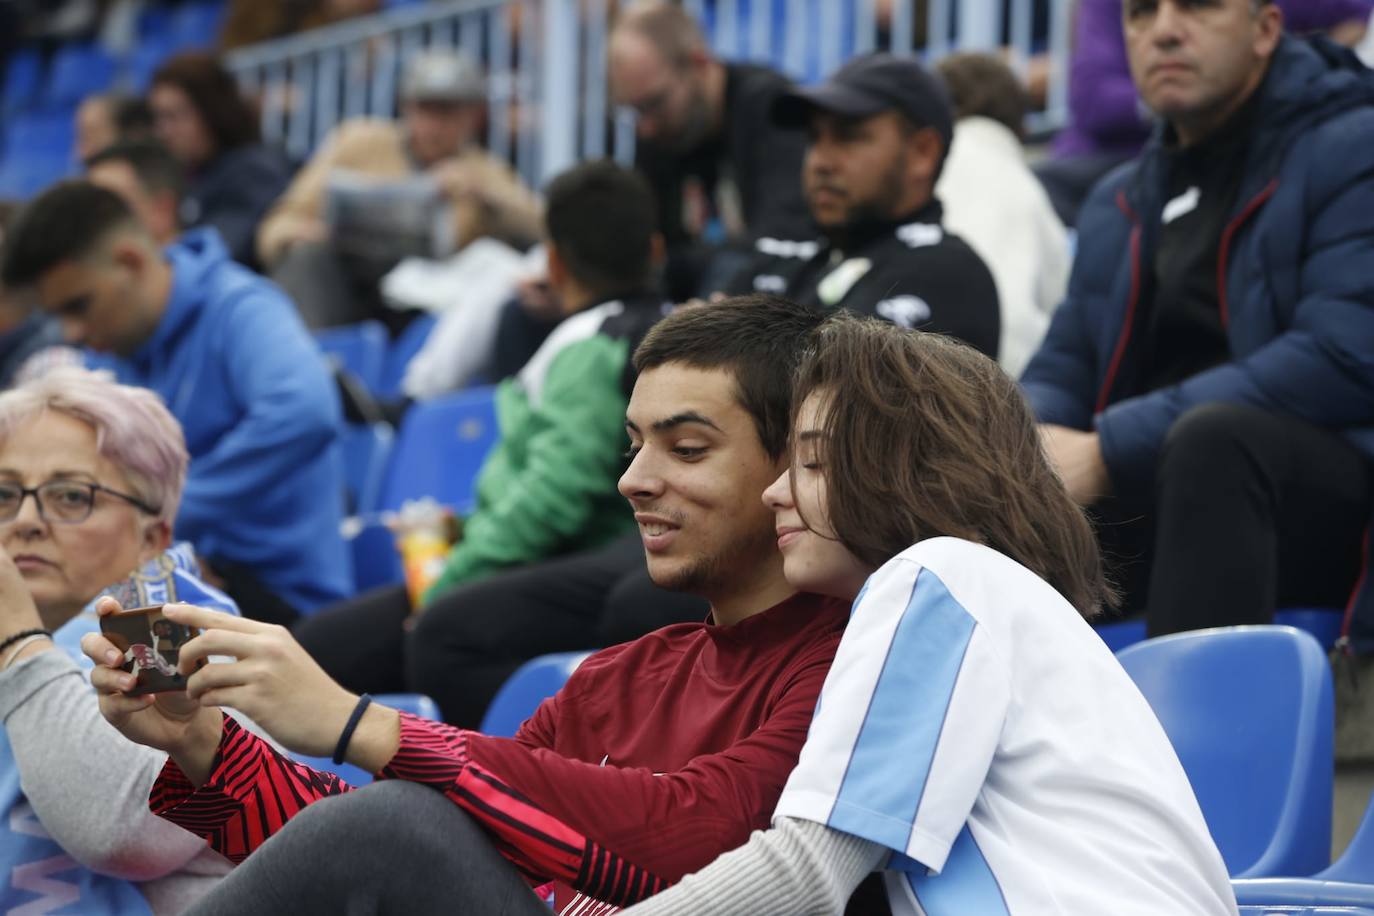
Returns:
(151,644)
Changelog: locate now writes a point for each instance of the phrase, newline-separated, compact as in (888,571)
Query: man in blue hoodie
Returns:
(228,354)
(1211,373)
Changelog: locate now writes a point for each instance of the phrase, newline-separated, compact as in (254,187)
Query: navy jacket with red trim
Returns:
(1295,279)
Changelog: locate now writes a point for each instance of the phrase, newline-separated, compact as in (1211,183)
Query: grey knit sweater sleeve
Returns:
(799,868)
(88,784)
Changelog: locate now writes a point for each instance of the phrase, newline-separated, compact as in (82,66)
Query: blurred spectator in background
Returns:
(227,353)
(1107,122)
(549,484)
(1208,384)
(879,128)
(150,181)
(102,120)
(432,157)
(206,123)
(30,339)
(721,171)
(993,201)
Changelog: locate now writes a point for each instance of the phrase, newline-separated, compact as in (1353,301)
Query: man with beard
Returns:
(722,173)
(879,130)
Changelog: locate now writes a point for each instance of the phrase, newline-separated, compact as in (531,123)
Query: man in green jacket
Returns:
(549,484)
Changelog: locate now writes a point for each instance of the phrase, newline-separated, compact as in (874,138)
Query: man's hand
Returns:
(169,722)
(1077,457)
(276,683)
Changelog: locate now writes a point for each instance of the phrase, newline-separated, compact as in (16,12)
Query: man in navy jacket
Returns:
(1208,385)
(227,352)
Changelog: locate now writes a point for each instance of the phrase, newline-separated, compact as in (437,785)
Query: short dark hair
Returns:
(64,223)
(157,169)
(983,85)
(215,95)
(761,339)
(601,218)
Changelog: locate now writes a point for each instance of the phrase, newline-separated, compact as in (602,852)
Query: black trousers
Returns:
(1252,511)
(391,847)
(465,645)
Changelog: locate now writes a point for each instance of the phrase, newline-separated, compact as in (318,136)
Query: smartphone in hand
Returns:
(151,644)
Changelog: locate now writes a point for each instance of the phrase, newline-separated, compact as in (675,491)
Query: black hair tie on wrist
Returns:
(363,702)
(24,634)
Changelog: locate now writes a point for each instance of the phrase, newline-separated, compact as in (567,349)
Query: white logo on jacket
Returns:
(905,311)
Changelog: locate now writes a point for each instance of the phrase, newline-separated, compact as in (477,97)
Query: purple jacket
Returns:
(1105,115)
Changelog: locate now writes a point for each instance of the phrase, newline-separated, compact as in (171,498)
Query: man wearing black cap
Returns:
(879,129)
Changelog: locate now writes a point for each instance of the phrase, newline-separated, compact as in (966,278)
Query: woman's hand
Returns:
(274,682)
(17,609)
(170,722)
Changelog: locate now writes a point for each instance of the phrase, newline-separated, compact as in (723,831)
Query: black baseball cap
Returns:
(868,85)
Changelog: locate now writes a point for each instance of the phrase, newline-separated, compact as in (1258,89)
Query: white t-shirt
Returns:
(974,724)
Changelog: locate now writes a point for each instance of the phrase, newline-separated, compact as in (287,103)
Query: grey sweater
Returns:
(89,785)
(798,868)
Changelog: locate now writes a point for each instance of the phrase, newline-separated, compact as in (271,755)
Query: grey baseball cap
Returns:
(443,76)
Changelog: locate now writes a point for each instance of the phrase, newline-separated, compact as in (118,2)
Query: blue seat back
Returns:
(38,151)
(376,561)
(400,353)
(416,704)
(1356,864)
(365,449)
(440,449)
(533,683)
(1322,622)
(79,70)
(1249,712)
(23,77)
(197,25)
(359,348)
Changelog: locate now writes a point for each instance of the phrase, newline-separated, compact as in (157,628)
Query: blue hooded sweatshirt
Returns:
(240,372)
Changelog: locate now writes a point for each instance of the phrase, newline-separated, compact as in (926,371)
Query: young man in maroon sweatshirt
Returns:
(655,758)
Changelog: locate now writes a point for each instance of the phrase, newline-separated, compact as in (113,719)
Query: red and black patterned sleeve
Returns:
(252,791)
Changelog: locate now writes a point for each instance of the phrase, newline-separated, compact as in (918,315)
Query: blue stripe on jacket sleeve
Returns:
(887,772)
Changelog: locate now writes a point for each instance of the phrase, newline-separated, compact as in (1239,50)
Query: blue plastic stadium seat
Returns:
(1349,881)
(197,25)
(1323,623)
(359,348)
(375,559)
(400,353)
(23,77)
(79,70)
(440,448)
(1249,712)
(365,449)
(414,703)
(531,684)
(38,151)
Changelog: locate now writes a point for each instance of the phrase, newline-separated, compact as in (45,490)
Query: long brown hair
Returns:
(924,436)
(216,97)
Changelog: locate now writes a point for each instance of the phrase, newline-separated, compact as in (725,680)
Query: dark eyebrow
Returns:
(680,419)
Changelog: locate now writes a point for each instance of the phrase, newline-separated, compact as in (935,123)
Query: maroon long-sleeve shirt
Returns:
(655,758)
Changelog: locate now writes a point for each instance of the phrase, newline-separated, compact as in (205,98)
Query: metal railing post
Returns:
(559,114)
